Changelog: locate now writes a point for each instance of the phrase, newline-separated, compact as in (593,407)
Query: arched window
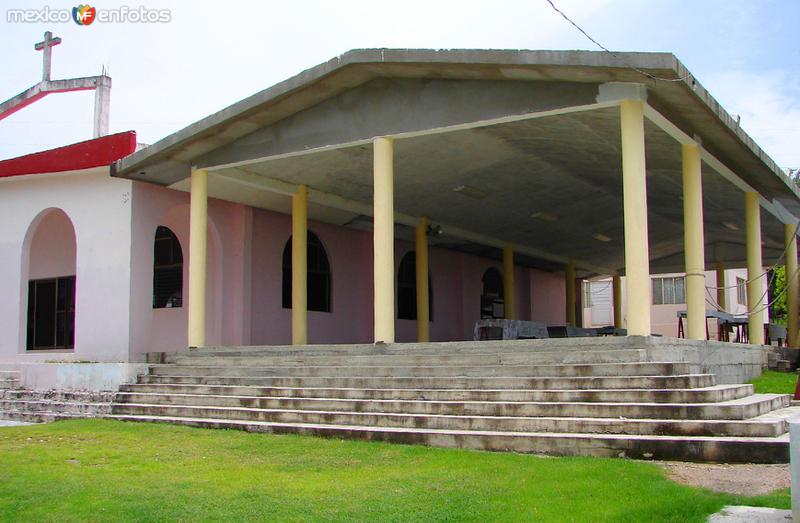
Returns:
(319,275)
(492,305)
(167,270)
(407,289)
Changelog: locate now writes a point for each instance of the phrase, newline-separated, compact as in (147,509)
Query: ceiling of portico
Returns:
(552,184)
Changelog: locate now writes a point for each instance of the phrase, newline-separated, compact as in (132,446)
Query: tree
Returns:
(777,277)
(777,295)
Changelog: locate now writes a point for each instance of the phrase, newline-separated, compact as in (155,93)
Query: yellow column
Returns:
(421,251)
(694,244)
(508,282)
(570,281)
(792,285)
(383,238)
(722,292)
(755,289)
(616,283)
(634,189)
(300,266)
(198,240)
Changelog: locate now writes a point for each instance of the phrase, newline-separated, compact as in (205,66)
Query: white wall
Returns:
(52,247)
(664,318)
(99,208)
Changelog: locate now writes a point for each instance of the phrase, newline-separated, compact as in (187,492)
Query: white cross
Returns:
(47,45)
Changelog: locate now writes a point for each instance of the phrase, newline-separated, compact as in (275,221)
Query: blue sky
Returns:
(210,55)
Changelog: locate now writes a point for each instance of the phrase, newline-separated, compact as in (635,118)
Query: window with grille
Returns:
(668,291)
(51,313)
(318,274)
(741,291)
(167,270)
(407,289)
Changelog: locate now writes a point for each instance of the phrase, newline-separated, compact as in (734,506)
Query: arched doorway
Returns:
(492,303)
(49,274)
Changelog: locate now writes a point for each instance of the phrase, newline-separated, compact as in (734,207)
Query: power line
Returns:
(606,49)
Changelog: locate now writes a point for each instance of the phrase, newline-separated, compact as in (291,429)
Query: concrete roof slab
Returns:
(523,134)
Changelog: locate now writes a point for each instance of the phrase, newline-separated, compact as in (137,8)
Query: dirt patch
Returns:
(743,480)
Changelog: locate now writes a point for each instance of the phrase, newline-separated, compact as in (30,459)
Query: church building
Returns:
(390,196)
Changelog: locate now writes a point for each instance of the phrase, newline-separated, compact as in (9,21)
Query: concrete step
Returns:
(409,360)
(58,395)
(39,417)
(694,448)
(757,427)
(599,369)
(54,406)
(560,397)
(9,383)
(10,379)
(459,348)
(702,395)
(690,381)
(248,408)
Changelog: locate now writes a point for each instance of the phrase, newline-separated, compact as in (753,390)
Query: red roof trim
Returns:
(82,155)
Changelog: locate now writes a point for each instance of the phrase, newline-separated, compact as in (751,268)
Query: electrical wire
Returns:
(683,78)
(770,269)
(760,308)
(604,48)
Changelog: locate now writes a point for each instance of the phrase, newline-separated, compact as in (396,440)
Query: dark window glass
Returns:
(167,270)
(318,275)
(407,289)
(51,313)
(492,303)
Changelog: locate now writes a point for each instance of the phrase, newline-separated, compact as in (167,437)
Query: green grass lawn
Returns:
(99,470)
(776,382)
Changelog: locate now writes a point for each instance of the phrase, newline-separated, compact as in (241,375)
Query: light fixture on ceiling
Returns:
(434,231)
(544,216)
(601,237)
(468,190)
(731,226)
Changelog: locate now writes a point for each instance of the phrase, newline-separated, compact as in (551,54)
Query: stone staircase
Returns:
(9,379)
(504,396)
(39,406)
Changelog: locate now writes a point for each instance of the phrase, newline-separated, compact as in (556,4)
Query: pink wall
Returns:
(548,297)
(245,274)
(447,291)
(456,280)
(350,319)
(228,275)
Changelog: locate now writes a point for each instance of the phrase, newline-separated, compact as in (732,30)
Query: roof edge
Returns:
(96,152)
(653,61)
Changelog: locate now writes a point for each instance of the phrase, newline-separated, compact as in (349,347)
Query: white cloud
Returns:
(167,76)
(769,106)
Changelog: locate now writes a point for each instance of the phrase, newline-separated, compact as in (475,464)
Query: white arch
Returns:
(25,260)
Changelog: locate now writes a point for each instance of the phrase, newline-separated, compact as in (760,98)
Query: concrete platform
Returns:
(10,423)
(743,514)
